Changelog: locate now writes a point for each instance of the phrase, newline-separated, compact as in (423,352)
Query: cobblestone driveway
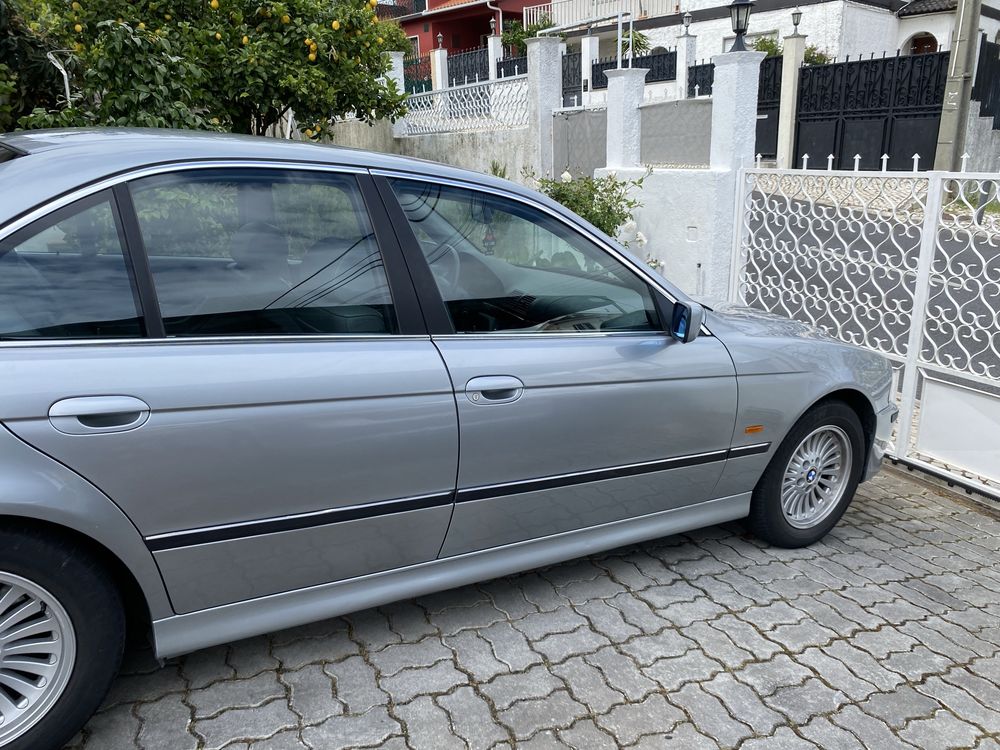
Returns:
(887,635)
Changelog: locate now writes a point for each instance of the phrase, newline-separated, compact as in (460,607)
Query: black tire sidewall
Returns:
(82,586)
(766,517)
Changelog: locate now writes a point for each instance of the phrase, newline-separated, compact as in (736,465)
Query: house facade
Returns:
(463,25)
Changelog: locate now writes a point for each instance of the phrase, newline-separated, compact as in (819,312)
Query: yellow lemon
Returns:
(357,33)
(309,42)
(214,4)
(309,133)
(335,25)
(246,39)
(313,47)
(380,40)
(168,16)
(286,19)
(78,28)
(76,6)
(373,3)
(218,36)
(312,57)
(368,44)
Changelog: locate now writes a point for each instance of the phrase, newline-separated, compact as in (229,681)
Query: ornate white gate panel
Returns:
(905,264)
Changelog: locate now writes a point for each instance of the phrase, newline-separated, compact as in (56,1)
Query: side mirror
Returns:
(686,321)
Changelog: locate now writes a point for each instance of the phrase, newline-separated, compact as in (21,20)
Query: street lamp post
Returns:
(739,15)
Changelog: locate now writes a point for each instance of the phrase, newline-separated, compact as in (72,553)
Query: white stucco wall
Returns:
(982,142)
(938,24)
(865,30)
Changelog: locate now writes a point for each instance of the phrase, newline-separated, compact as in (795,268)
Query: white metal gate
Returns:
(906,264)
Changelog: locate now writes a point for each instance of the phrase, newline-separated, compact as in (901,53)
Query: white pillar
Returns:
(494,51)
(734,109)
(625,90)
(544,95)
(439,69)
(589,51)
(687,51)
(396,74)
(791,66)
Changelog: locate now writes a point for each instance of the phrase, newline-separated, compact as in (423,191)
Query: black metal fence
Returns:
(768,100)
(986,88)
(468,67)
(387,9)
(572,79)
(874,106)
(700,79)
(512,66)
(662,66)
(417,74)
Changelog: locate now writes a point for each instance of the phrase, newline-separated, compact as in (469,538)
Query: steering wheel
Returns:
(445,264)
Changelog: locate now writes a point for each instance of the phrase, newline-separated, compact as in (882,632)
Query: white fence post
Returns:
(791,67)
(544,95)
(439,69)
(734,109)
(687,50)
(494,53)
(918,317)
(396,74)
(589,51)
(625,89)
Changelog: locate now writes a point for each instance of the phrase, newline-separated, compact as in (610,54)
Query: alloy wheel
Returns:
(816,477)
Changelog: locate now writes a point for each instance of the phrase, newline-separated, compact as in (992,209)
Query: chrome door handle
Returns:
(90,415)
(494,389)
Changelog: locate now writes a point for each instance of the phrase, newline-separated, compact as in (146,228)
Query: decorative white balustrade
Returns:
(906,264)
(566,12)
(490,105)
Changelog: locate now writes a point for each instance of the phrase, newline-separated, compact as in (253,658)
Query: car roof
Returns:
(50,163)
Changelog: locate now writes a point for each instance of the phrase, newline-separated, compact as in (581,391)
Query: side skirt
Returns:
(181,634)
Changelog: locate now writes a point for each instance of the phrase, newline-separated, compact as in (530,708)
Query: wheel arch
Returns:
(861,405)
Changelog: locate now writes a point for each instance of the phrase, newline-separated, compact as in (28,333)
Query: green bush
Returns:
(603,201)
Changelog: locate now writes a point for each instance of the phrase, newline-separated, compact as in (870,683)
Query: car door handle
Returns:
(494,389)
(95,415)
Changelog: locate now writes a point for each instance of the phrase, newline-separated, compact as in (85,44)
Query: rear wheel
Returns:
(62,629)
(811,479)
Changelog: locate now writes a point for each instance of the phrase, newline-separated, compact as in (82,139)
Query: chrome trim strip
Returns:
(202,340)
(749,450)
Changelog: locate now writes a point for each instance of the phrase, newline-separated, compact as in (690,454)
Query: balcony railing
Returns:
(388,9)
(566,12)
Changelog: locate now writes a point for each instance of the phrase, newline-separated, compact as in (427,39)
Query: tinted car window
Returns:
(503,266)
(246,252)
(66,277)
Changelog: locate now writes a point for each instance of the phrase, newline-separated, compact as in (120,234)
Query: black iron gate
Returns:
(572,80)
(768,99)
(870,107)
(986,89)
(471,66)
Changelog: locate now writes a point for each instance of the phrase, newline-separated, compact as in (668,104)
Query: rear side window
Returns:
(66,277)
(262,252)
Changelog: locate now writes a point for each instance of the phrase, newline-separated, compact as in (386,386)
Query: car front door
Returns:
(575,408)
(285,421)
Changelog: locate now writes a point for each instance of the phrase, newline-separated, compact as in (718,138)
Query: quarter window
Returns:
(262,252)
(503,266)
(67,278)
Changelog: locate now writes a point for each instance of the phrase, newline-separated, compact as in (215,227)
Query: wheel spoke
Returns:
(20,614)
(33,646)
(18,684)
(38,627)
(28,665)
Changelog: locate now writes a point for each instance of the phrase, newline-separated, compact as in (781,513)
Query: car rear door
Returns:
(575,408)
(277,416)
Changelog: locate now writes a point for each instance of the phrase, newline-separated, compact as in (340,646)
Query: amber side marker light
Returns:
(753,428)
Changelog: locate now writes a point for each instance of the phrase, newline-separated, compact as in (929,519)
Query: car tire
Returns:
(57,587)
(811,479)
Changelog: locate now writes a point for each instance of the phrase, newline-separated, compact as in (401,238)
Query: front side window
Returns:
(503,266)
(262,252)
(66,277)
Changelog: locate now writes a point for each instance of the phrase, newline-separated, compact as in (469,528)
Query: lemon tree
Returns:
(234,65)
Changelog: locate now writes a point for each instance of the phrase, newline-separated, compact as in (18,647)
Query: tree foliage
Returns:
(515,34)
(772,47)
(27,79)
(605,202)
(234,65)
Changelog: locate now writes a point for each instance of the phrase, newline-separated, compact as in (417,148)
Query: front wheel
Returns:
(811,479)
(61,634)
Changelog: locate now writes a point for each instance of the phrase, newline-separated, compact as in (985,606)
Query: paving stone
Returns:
(829,736)
(113,728)
(962,704)
(862,664)
(165,724)
(871,732)
(302,651)
(146,687)
(562,620)
(355,685)
(917,663)
(474,654)
(428,726)
(622,673)
(256,723)
(251,656)
(942,731)
(638,613)
(743,703)
(768,616)
(766,677)
(481,614)
(510,646)
(560,646)
(408,620)
(710,716)
(683,737)
(507,689)
(607,620)
(675,671)
(404,686)
(312,694)
(802,702)
(371,629)
(836,674)
(682,614)
(783,739)
(586,734)
(555,711)
(586,684)
(399,656)
(900,706)
(508,598)
(801,635)
(204,667)
(746,636)
(649,648)
(471,718)
(341,732)
(628,722)
(248,693)
(716,644)
(287,740)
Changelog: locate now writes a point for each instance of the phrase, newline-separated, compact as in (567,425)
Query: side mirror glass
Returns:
(686,321)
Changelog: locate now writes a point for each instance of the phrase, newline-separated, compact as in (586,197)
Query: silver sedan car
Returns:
(252,383)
